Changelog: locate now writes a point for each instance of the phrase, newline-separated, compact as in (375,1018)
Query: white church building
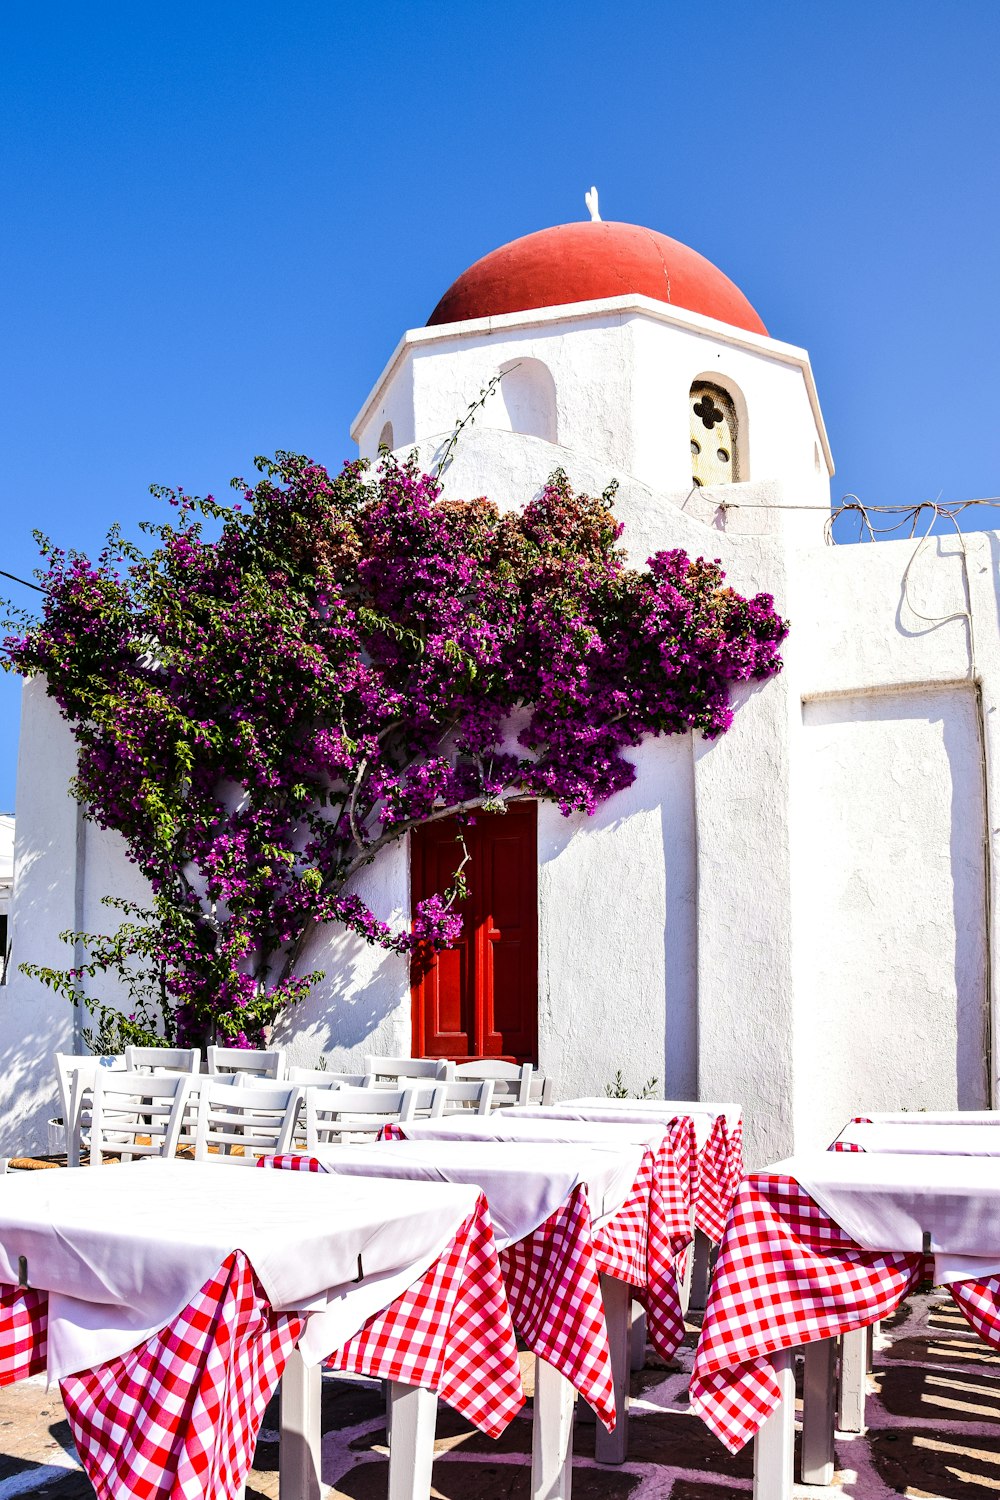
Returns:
(800,915)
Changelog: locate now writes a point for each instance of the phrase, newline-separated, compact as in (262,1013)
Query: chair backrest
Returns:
(385,1070)
(163,1059)
(335,1114)
(75,1075)
(238,1124)
(136,1114)
(227,1061)
(468,1098)
(511,1081)
(321,1078)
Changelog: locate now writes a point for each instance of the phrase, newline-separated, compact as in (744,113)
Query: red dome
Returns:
(588,261)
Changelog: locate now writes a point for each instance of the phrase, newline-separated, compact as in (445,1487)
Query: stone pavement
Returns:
(934,1433)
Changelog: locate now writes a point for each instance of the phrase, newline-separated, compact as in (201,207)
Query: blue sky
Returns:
(220,217)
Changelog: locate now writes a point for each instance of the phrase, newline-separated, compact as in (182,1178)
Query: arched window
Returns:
(528,393)
(385,437)
(715,437)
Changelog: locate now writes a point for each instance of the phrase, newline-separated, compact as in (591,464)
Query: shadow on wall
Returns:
(29,1095)
(910,611)
(353,1007)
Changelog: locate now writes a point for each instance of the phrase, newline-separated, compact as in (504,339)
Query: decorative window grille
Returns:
(714,436)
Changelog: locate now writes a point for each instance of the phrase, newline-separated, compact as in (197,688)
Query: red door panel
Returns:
(445,981)
(480,998)
(510,882)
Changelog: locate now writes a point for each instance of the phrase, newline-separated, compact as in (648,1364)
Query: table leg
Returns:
(700,1255)
(637,1338)
(612,1447)
(411,1456)
(819,1392)
(853,1380)
(552,1435)
(774,1445)
(685,1282)
(299,1451)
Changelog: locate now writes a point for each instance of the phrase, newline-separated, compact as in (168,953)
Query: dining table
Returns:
(821,1245)
(718,1136)
(545,1208)
(640,1250)
(169,1298)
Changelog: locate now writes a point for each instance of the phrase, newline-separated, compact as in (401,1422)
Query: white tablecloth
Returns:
(523,1185)
(506,1126)
(940,1117)
(122,1250)
(922,1139)
(662,1111)
(887,1202)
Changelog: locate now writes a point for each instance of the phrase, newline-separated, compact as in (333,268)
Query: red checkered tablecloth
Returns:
(177,1417)
(788,1275)
(554,1294)
(643,1244)
(451,1331)
(23,1327)
(720,1172)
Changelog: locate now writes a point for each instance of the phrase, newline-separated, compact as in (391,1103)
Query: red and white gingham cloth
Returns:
(554,1291)
(643,1244)
(24,1316)
(177,1417)
(839,1145)
(451,1331)
(554,1294)
(788,1275)
(720,1172)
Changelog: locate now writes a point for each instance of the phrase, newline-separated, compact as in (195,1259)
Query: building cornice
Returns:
(630,305)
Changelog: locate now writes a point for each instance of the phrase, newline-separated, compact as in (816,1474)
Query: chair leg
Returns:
(819,1399)
(299,1451)
(411,1456)
(612,1447)
(552,1435)
(853,1380)
(637,1338)
(774,1445)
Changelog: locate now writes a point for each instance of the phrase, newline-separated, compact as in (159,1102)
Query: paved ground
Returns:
(934,1433)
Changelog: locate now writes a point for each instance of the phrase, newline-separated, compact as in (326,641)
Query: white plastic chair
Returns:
(163,1059)
(513,1083)
(321,1078)
(75,1075)
(226,1062)
(137,1114)
(334,1115)
(385,1071)
(238,1123)
(463,1098)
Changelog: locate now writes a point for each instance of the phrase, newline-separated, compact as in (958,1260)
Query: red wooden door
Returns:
(480,998)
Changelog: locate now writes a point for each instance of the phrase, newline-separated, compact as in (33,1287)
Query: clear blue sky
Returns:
(218,219)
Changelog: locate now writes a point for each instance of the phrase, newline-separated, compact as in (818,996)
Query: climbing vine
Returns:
(267,694)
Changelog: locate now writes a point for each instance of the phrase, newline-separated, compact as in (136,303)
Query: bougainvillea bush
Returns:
(261,710)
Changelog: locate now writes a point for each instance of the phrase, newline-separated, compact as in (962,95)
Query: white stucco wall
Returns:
(892,936)
(34,1025)
(621,371)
